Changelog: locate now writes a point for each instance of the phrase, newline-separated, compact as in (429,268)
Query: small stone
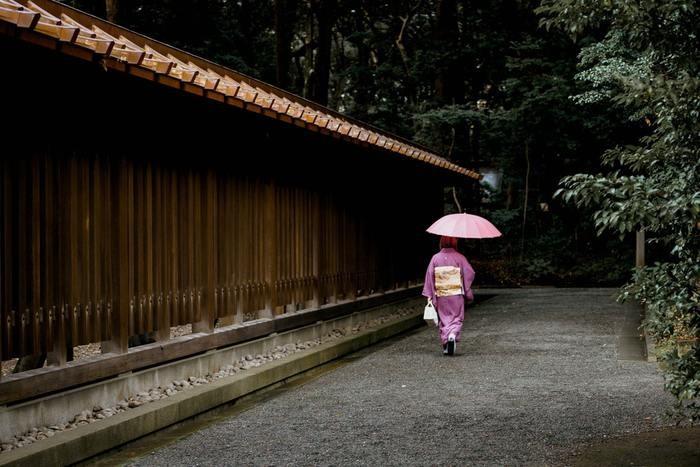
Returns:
(248,357)
(55,428)
(191,379)
(123,405)
(142,394)
(133,404)
(41,436)
(97,408)
(83,422)
(50,433)
(100,416)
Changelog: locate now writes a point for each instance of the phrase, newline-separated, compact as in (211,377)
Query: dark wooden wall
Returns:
(129,208)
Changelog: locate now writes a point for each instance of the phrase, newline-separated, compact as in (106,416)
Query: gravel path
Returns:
(537,376)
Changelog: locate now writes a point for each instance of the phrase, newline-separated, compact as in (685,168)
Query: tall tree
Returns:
(449,82)
(285,16)
(325,14)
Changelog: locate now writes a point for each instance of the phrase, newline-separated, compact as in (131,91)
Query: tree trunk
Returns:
(285,14)
(449,86)
(363,89)
(112,10)
(324,11)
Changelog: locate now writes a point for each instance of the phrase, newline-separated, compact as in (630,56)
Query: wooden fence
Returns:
(101,248)
(133,201)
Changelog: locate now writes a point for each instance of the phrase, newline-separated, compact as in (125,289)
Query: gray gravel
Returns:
(537,375)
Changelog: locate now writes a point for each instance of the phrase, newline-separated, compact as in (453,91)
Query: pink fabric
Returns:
(464,226)
(450,309)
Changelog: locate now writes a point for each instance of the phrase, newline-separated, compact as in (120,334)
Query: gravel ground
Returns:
(536,377)
(96,413)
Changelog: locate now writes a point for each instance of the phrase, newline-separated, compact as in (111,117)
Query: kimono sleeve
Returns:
(467,280)
(429,285)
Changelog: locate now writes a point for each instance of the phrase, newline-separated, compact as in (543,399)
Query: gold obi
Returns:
(448,281)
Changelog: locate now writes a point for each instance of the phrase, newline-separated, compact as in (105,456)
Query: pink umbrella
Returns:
(464,226)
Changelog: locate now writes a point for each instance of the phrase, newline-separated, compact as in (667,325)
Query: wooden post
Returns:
(122,195)
(316,249)
(209,248)
(163,237)
(57,355)
(269,232)
(640,259)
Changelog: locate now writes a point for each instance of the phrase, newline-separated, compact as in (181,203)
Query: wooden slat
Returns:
(36,253)
(122,267)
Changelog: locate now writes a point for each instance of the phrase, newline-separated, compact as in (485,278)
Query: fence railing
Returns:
(104,248)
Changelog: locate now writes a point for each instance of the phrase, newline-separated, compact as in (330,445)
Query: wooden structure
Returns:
(147,188)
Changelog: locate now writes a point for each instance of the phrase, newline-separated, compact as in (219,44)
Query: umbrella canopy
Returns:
(464,226)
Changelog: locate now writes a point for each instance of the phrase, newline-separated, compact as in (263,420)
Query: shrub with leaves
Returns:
(648,63)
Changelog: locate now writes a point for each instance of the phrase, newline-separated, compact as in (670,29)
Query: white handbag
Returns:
(429,313)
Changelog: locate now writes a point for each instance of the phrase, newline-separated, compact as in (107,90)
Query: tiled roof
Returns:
(72,32)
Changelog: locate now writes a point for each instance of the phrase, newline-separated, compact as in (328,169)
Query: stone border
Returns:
(90,440)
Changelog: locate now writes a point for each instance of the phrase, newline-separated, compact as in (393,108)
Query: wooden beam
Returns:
(34,383)
(18,14)
(120,50)
(52,26)
(88,38)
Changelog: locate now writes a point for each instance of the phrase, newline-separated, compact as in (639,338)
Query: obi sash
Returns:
(448,281)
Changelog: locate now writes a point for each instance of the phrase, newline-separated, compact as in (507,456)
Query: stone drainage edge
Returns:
(90,440)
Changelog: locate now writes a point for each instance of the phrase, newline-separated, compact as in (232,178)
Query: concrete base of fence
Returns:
(89,440)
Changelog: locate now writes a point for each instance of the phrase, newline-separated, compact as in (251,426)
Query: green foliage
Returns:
(647,63)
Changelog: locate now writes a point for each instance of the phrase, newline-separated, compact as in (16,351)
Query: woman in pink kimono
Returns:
(448,283)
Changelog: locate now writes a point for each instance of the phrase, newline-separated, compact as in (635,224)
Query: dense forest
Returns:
(479,81)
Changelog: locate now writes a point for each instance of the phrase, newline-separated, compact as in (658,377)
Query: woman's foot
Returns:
(451,345)
(444,349)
